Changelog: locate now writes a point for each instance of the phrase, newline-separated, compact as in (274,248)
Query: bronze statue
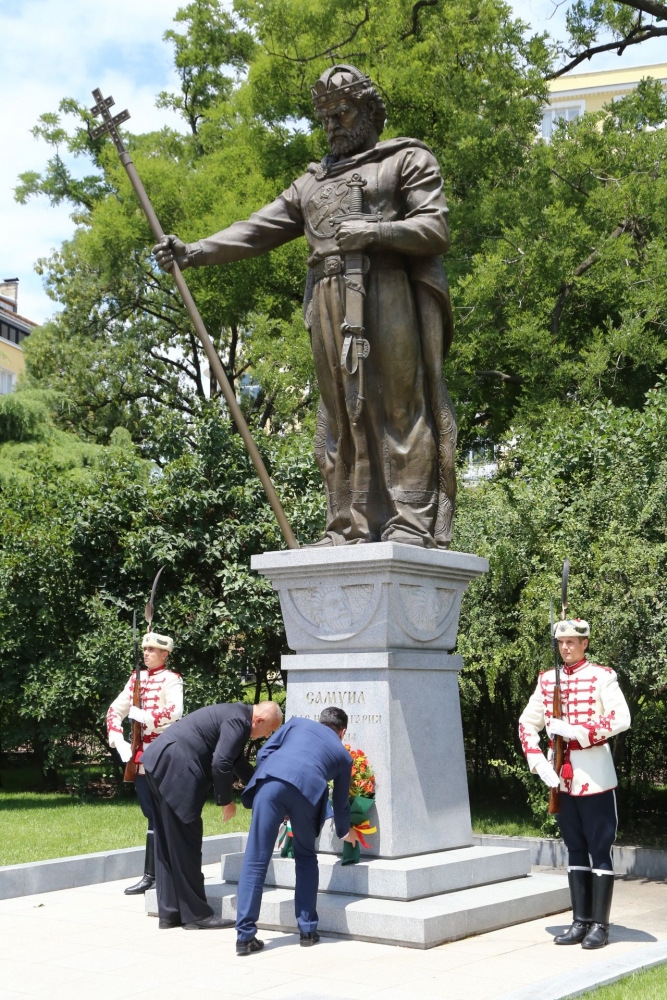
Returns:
(377,307)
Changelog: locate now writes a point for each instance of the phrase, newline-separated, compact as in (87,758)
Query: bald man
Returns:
(204,749)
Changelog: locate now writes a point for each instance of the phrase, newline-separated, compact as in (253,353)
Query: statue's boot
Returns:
(581,894)
(598,933)
(147,880)
(331,538)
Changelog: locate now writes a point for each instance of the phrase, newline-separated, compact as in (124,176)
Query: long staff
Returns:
(557,710)
(109,127)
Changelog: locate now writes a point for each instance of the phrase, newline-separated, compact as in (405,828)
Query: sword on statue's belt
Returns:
(355,346)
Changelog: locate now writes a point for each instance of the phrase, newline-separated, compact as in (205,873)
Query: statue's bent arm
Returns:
(424,231)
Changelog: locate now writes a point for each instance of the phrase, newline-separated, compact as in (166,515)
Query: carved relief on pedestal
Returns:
(332,611)
(423,611)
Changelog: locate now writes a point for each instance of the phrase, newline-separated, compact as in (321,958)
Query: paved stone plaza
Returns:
(94,942)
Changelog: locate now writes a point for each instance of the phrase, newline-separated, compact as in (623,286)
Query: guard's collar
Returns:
(575,666)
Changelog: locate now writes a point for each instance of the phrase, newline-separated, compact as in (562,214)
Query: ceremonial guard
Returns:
(593,710)
(162,704)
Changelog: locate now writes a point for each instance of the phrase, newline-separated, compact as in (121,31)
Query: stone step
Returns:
(418,923)
(399,878)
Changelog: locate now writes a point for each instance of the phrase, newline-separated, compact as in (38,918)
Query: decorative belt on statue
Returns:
(573,745)
(335,264)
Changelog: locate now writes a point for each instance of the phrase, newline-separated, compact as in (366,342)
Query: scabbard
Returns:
(356,264)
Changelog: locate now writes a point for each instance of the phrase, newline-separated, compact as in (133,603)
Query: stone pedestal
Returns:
(372,627)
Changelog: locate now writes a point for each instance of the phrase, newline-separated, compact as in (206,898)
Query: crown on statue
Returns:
(337,83)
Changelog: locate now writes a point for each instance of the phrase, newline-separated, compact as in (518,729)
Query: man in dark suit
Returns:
(291,779)
(205,748)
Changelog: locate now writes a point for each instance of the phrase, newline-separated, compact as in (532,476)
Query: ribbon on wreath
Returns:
(360,806)
(286,841)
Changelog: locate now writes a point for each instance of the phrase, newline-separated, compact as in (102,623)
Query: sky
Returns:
(50,49)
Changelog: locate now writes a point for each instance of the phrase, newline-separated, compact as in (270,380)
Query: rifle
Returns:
(557,709)
(131,767)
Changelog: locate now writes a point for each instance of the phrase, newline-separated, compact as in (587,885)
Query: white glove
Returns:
(558,727)
(547,773)
(123,747)
(137,715)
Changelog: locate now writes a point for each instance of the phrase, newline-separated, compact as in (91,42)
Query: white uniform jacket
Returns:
(593,703)
(161,699)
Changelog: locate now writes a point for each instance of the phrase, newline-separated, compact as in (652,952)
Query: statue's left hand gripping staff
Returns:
(110,126)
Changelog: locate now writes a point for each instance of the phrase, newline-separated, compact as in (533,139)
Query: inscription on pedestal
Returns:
(318,699)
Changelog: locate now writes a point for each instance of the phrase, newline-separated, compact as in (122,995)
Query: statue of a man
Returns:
(377,307)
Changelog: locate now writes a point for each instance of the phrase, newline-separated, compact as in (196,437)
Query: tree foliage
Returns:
(81,543)
(587,482)
(597,26)
(557,277)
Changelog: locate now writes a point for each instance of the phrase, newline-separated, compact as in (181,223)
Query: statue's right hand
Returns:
(168,250)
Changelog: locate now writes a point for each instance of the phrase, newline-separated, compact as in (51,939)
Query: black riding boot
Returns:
(147,880)
(581,892)
(603,890)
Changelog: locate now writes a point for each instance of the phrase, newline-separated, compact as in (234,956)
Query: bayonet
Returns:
(149,612)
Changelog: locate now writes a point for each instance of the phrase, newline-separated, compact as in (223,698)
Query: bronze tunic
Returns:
(390,475)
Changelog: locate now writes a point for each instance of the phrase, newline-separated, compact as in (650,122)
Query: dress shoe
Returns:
(248,947)
(145,883)
(308,940)
(211,923)
(165,925)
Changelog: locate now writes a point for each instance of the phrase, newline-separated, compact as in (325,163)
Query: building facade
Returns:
(14,328)
(575,93)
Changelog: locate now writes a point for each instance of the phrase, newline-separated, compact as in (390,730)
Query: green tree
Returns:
(566,301)
(79,547)
(587,482)
(596,26)
(462,78)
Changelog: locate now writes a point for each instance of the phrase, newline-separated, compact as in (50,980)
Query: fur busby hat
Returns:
(572,628)
(157,641)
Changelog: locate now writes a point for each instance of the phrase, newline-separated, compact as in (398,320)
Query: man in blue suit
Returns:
(291,779)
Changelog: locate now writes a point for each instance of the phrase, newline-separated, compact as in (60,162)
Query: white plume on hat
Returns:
(572,628)
(157,641)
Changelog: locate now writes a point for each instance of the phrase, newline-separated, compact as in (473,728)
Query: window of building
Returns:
(7,380)
(11,333)
(564,112)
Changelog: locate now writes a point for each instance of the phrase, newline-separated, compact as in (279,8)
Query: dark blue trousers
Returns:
(274,800)
(588,826)
(144,797)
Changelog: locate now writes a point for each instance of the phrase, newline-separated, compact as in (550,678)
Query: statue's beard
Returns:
(347,141)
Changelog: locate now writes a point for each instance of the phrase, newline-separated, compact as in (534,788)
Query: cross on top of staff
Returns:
(109,124)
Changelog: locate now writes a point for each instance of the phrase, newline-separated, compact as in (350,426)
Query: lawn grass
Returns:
(648,985)
(36,826)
